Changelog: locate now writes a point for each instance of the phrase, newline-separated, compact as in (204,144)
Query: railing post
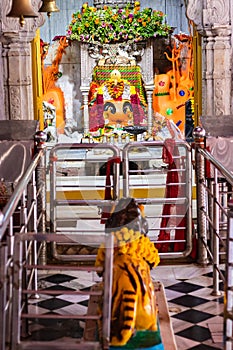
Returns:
(199,141)
(40,138)
(215,236)
(228,304)
(5,330)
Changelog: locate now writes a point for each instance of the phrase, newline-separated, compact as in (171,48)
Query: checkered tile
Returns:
(196,315)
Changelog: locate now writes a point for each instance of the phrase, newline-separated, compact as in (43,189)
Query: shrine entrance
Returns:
(152,94)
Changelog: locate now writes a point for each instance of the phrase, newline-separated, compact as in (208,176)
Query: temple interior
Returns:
(116,175)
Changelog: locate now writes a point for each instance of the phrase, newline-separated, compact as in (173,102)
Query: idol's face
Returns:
(118,113)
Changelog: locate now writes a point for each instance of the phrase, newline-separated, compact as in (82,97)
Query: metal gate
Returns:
(162,182)
(84,184)
(86,180)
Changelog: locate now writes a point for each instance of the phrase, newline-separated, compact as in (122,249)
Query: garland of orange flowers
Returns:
(133,243)
(115,90)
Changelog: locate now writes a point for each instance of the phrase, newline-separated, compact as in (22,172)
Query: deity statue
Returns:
(174,88)
(134,320)
(115,103)
(52,93)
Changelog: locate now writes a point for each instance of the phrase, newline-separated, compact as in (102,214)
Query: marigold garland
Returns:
(133,243)
(115,90)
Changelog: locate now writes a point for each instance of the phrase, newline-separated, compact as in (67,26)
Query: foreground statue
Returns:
(134,309)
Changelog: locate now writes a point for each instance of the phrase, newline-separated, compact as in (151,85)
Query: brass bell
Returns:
(22,9)
(49,6)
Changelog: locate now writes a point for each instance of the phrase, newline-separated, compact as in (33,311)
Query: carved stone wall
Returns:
(213,21)
(16,62)
(2,110)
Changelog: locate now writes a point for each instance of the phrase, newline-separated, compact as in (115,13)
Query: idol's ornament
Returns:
(134,310)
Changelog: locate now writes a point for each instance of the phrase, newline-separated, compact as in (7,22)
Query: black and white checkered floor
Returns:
(196,315)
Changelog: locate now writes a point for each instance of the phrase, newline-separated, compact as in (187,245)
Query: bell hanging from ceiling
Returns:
(22,9)
(49,6)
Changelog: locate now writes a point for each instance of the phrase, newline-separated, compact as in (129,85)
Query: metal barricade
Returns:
(214,225)
(84,184)
(20,214)
(23,255)
(79,174)
(159,176)
(84,181)
(22,312)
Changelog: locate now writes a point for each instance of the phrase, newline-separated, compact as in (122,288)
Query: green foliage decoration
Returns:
(112,25)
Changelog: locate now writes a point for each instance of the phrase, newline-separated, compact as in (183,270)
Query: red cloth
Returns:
(138,112)
(108,195)
(96,119)
(172,191)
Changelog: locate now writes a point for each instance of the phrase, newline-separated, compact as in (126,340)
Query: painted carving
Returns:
(174,88)
(52,93)
(15,102)
(194,10)
(134,310)
(218,12)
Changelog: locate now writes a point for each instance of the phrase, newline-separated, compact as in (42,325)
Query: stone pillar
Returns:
(85,91)
(149,94)
(2,99)
(147,62)
(207,81)
(222,73)
(17,63)
(213,21)
(87,65)
(18,78)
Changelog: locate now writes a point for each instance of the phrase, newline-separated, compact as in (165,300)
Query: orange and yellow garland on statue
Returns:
(132,243)
(115,90)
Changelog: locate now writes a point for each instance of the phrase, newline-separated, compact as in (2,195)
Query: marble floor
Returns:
(196,315)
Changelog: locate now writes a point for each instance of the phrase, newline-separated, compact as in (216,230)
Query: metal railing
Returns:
(25,238)
(214,225)
(22,313)
(162,182)
(82,192)
(85,179)
(23,212)
(25,216)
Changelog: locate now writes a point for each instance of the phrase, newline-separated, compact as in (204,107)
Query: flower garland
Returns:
(114,24)
(115,90)
(132,243)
